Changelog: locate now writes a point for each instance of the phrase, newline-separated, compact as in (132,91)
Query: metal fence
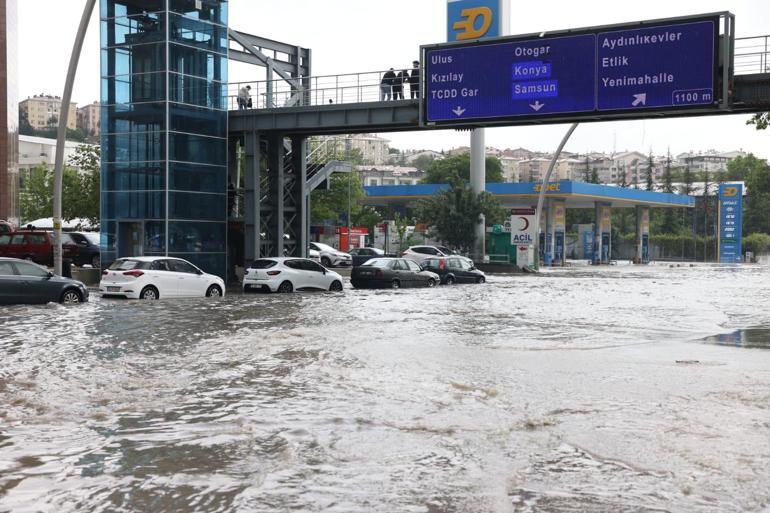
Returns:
(752,55)
(321,90)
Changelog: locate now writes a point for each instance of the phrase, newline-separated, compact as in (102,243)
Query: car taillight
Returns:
(273,273)
(135,274)
(441,265)
(104,273)
(379,273)
(403,254)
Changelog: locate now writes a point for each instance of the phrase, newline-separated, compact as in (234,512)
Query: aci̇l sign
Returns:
(469,20)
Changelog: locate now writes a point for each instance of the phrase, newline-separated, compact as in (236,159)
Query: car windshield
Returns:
(324,247)
(379,262)
(444,250)
(93,238)
(127,265)
(263,264)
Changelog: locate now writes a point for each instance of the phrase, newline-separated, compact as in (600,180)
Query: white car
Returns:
(314,255)
(420,253)
(158,277)
(287,274)
(330,256)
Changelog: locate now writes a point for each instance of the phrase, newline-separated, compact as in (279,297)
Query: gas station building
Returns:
(560,196)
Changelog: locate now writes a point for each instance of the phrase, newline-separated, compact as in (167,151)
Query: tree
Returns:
(457,170)
(761,120)
(453,214)
(423,162)
(650,170)
(687,180)
(587,171)
(757,176)
(87,158)
(668,180)
(594,175)
(332,204)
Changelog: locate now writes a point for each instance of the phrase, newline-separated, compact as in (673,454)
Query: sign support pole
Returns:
(544,188)
(62,134)
(478,184)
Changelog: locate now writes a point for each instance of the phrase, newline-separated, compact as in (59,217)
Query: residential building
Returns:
(164,130)
(9,113)
(389,175)
(709,161)
(89,119)
(43,111)
(410,158)
(374,149)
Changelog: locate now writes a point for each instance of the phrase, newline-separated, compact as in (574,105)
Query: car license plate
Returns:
(366,273)
(113,289)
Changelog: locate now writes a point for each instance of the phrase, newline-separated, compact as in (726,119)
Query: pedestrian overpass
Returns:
(280,168)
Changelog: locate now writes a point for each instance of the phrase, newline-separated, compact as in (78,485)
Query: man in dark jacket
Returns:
(414,80)
(386,85)
(398,86)
(404,78)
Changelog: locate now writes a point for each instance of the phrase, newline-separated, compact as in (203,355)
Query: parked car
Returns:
(331,257)
(287,274)
(455,269)
(24,282)
(361,255)
(88,248)
(420,253)
(34,245)
(5,227)
(158,277)
(314,255)
(392,273)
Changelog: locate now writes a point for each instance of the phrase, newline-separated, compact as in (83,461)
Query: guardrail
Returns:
(321,90)
(752,55)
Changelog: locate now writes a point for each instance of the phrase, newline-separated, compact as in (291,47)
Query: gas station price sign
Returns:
(642,67)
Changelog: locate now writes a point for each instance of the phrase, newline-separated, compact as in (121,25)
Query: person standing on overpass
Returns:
(386,85)
(414,80)
(244,97)
(398,86)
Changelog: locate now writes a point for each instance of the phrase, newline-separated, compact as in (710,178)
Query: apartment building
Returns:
(43,111)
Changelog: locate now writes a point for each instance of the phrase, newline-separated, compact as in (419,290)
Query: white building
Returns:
(34,151)
(374,149)
(710,161)
(389,175)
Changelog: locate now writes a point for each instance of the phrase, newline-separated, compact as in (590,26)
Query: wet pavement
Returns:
(622,389)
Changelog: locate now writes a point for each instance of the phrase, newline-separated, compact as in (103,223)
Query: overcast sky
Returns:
(366,35)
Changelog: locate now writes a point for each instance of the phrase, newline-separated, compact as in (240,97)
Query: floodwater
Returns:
(618,390)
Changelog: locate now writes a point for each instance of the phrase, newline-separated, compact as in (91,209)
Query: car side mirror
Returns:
(50,275)
(199,272)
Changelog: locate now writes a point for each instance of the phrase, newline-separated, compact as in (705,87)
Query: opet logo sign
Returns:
(476,19)
(730,192)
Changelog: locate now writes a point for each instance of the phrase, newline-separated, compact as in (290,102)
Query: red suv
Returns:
(34,245)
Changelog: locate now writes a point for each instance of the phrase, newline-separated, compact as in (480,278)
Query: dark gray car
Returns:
(24,282)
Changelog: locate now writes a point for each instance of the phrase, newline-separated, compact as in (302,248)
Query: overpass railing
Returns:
(752,55)
(313,91)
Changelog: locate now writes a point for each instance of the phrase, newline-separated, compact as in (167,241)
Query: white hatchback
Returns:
(158,277)
(287,274)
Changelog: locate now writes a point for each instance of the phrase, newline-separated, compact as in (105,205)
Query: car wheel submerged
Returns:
(431,283)
(71,297)
(481,279)
(149,293)
(336,286)
(326,262)
(450,280)
(285,287)
(214,291)
(96,262)
(395,284)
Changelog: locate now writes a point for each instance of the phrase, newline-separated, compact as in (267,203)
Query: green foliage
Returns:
(404,240)
(80,190)
(650,184)
(757,243)
(760,120)
(594,175)
(423,162)
(457,170)
(332,205)
(453,214)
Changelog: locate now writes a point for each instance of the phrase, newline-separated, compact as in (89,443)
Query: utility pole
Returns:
(62,133)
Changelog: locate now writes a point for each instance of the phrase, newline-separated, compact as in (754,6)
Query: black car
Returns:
(24,282)
(361,255)
(454,269)
(88,248)
(391,273)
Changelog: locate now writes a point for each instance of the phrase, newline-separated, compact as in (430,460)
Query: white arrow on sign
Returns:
(640,98)
(459,111)
(537,105)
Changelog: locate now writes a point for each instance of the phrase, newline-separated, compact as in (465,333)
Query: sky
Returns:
(349,36)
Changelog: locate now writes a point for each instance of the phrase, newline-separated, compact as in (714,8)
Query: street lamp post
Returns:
(62,133)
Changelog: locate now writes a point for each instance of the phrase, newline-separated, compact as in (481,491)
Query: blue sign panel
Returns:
(469,20)
(528,77)
(650,68)
(657,67)
(730,223)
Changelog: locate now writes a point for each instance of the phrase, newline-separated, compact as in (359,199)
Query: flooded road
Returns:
(618,390)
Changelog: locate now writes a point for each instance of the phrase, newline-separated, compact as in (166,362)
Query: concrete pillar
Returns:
(478,183)
(276,153)
(252,213)
(547,222)
(299,164)
(642,235)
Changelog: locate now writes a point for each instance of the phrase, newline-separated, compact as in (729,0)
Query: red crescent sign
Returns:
(526,224)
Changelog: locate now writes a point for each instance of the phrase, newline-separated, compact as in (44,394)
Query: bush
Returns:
(757,243)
